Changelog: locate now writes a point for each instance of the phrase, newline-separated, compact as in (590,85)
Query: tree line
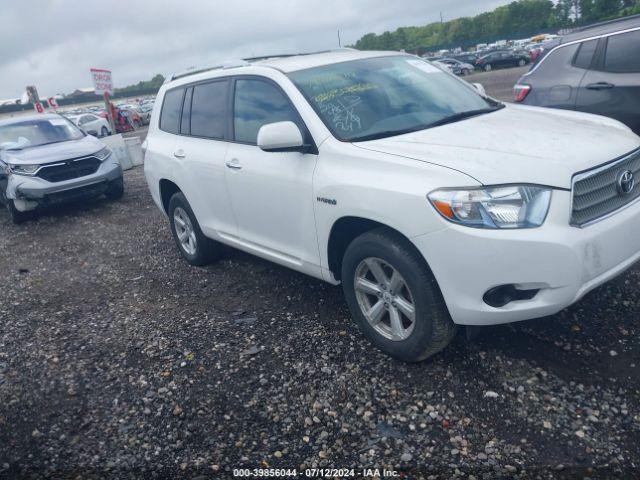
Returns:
(519,19)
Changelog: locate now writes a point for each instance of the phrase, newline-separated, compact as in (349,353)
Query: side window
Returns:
(556,61)
(209,109)
(170,115)
(258,103)
(185,124)
(585,54)
(623,53)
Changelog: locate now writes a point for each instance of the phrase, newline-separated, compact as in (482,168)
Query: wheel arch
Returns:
(167,190)
(344,230)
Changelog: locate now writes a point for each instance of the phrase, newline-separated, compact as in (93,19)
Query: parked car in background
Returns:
(134,118)
(502,59)
(469,58)
(594,70)
(92,124)
(444,66)
(377,170)
(46,160)
(458,67)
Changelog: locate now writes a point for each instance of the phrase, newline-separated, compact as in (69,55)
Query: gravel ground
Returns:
(118,360)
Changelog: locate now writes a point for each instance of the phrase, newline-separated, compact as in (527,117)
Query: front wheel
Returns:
(115,190)
(466,72)
(18,217)
(104,132)
(521,63)
(394,297)
(487,67)
(196,249)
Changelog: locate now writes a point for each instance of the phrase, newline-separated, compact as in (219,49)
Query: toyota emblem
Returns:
(626,182)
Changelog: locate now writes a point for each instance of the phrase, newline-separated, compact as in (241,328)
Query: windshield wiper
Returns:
(462,115)
(451,119)
(387,133)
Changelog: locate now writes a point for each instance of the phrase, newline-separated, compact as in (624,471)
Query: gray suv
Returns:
(46,160)
(593,70)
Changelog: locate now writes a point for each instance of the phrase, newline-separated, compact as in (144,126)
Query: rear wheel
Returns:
(104,132)
(18,217)
(196,249)
(521,62)
(466,71)
(394,297)
(488,67)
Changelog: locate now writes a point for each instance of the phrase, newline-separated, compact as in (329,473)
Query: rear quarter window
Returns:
(171,111)
(555,61)
(584,57)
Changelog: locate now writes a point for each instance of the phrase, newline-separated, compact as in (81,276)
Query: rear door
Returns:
(612,86)
(201,148)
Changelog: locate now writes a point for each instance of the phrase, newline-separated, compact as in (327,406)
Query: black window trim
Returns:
(306,134)
(229,133)
(594,56)
(225,137)
(164,103)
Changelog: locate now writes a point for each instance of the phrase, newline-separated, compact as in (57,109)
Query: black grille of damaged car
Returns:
(603,190)
(69,169)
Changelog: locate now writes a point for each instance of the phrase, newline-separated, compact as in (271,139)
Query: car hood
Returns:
(53,152)
(517,144)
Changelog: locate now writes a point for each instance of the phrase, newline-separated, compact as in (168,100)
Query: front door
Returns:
(271,192)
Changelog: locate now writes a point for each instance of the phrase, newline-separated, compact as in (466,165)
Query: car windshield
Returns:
(385,96)
(37,132)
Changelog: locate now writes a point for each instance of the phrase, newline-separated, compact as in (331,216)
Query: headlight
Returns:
(510,206)
(102,154)
(23,169)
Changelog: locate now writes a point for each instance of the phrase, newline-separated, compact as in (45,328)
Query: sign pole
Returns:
(107,106)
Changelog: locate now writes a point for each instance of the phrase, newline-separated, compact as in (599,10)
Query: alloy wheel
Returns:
(384,299)
(184,230)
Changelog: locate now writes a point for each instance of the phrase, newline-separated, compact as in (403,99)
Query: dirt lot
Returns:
(499,83)
(119,360)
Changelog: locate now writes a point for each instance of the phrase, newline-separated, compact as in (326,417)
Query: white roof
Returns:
(304,61)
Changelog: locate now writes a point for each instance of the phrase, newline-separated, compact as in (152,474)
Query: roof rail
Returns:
(196,70)
(243,63)
(286,55)
(605,23)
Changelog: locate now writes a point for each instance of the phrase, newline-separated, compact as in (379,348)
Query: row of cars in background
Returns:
(129,116)
(467,63)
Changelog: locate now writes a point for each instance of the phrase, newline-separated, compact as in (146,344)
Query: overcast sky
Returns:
(53,43)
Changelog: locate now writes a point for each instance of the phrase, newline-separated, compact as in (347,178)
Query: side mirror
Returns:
(280,137)
(480,89)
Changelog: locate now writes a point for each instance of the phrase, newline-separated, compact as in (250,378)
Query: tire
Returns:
(487,67)
(204,250)
(466,72)
(521,63)
(104,132)
(432,328)
(136,124)
(115,190)
(18,217)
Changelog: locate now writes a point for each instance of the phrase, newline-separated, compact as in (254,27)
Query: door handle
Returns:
(233,164)
(179,153)
(600,86)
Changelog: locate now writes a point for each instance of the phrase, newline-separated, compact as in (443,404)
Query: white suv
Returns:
(433,205)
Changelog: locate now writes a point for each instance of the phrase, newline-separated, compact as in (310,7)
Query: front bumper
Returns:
(31,192)
(563,262)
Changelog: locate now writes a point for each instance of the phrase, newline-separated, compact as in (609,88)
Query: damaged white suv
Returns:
(432,204)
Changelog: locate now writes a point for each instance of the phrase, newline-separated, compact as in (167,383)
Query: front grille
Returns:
(69,169)
(598,192)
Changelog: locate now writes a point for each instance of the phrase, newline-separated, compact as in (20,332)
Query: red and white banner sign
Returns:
(38,107)
(52,102)
(102,81)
